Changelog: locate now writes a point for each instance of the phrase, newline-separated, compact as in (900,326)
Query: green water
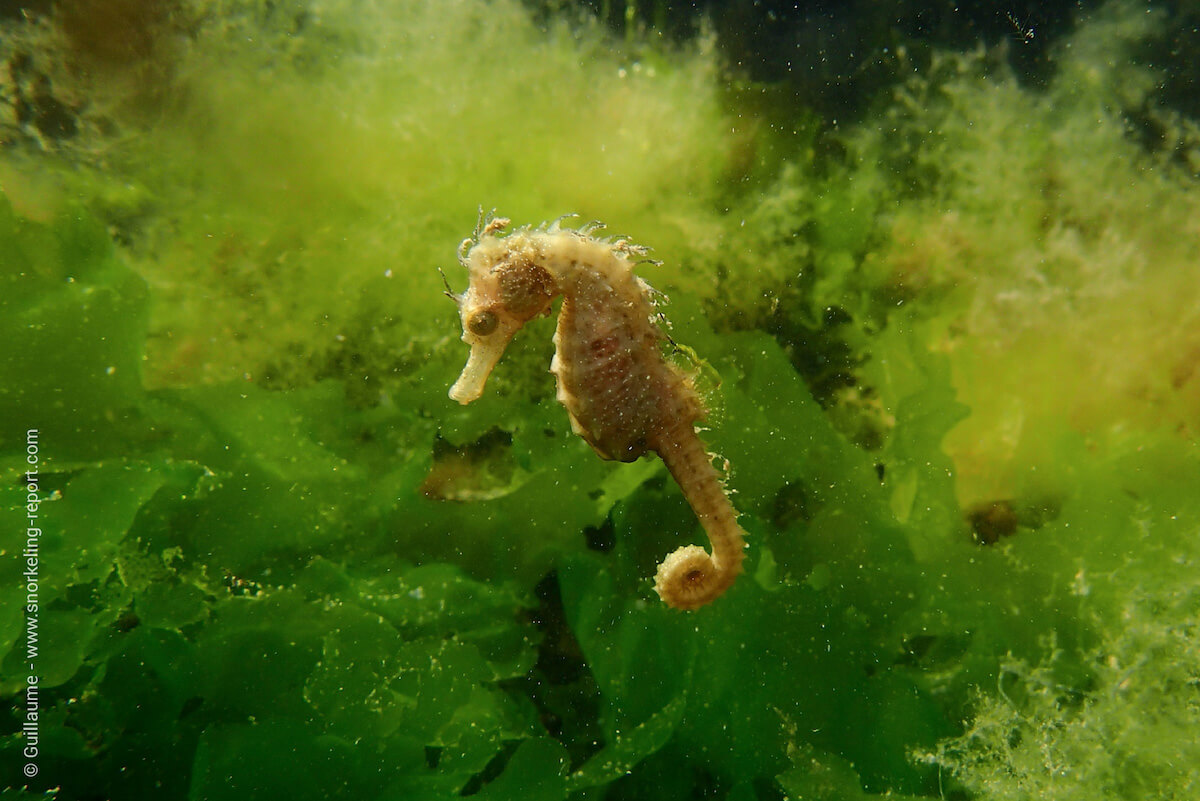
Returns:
(946,293)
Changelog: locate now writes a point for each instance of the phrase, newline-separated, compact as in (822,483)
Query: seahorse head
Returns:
(508,288)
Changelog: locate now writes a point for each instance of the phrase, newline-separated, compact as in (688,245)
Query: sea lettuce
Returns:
(170,621)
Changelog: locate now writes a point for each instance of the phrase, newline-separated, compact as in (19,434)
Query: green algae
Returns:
(235,353)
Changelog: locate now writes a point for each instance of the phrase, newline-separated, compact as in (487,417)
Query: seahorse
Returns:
(622,395)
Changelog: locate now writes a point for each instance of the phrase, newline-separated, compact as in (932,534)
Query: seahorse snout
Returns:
(480,364)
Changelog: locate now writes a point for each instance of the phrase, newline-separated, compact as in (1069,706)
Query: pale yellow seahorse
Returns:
(623,397)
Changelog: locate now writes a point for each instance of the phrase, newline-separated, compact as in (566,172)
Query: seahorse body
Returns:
(622,396)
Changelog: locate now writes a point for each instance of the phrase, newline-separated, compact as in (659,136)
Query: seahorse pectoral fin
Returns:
(481,362)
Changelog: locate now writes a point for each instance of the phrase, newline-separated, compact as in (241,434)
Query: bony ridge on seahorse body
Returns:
(623,397)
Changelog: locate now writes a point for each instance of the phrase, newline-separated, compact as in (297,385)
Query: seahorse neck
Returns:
(583,267)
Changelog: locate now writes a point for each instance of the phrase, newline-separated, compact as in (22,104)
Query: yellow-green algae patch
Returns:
(1067,255)
(302,172)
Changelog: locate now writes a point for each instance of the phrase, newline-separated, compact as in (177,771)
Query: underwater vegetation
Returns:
(950,346)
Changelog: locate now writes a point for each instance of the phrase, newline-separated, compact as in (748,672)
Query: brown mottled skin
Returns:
(622,396)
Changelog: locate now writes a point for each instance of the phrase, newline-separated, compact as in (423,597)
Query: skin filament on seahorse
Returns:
(622,396)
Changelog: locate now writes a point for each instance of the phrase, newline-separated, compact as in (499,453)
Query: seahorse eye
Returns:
(483,323)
